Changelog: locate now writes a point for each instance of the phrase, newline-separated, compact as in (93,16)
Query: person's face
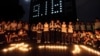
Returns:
(63,22)
(39,22)
(14,33)
(8,33)
(52,21)
(96,32)
(46,23)
(58,21)
(70,22)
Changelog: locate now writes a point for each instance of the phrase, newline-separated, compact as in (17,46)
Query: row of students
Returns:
(49,31)
(11,31)
(14,25)
(56,30)
(10,37)
(53,32)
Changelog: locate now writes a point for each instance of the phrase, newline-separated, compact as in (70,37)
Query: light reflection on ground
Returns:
(48,50)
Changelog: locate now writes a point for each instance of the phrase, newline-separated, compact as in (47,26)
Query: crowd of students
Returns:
(52,32)
(12,31)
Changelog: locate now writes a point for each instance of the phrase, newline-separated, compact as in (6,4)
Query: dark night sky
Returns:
(86,9)
(26,6)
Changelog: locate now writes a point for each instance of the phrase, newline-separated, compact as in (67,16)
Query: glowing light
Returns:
(19,46)
(30,48)
(76,49)
(23,49)
(27,0)
(11,48)
(36,9)
(51,12)
(55,5)
(46,7)
(26,45)
(57,11)
(41,14)
(52,47)
(41,47)
(12,44)
(60,5)
(90,50)
(4,50)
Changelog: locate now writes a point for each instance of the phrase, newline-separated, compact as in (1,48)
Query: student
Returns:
(26,27)
(75,37)
(82,27)
(88,27)
(96,24)
(79,33)
(46,33)
(63,31)
(39,29)
(92,36)
(19,25)
(58,31)
(2,36)
(13,26)
(77,27)
(14,37)
(52,31)
(8,37)
(8,26)
(20,34)
(93,27)
(25,35)
(34,31)
(3,25)
(97,35)
(82,37)
(70,32)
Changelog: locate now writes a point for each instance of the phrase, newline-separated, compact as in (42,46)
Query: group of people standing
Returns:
(51,32)
(64,33)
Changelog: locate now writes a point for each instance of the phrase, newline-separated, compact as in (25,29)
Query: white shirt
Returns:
(13,25)
(70,29)
(52,26)
(77,27)
(63,28)
(97,25)
(46,27)
(82,27)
